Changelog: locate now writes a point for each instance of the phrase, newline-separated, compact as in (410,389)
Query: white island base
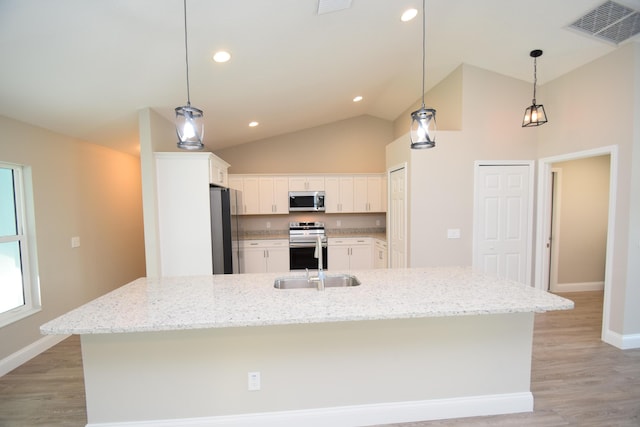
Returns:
(353,373)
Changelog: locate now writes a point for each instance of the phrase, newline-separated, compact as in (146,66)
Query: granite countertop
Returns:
(224,301)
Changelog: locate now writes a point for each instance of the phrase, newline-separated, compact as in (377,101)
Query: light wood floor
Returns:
(577,380)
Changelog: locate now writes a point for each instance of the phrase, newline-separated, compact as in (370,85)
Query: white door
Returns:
(503,220)
(397,218)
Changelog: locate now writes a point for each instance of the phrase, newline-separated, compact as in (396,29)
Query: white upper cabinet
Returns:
(218,171)
(306,183)
(338,194)
(368,193)
(274,194)
(250,195)
(269,194)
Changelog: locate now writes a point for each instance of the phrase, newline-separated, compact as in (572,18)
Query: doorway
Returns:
(578,228)
(544,224)
(397,217)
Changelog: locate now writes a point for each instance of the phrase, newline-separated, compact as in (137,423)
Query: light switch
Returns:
(75,242)
(453,233)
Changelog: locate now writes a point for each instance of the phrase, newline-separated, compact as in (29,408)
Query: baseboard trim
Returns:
(27,353)
(578,287)
(357,415)
(623,342)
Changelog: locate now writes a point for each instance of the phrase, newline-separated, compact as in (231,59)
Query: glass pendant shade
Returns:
(189,127)
(423,127)
(534,115)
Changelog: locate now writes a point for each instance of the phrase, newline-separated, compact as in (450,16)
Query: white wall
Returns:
(354,145)
(441,179)
(582,215)
(84,190)
(441,188)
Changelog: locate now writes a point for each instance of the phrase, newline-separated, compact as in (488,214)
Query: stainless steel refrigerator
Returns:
(224,230)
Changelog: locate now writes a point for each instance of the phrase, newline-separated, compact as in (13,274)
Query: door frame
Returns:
(543,224)
(555,209)
(476,203)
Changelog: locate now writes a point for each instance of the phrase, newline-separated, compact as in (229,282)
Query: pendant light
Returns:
(189,120)
(534,115)
(423,120)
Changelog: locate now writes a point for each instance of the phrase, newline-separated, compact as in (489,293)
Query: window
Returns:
(19,292)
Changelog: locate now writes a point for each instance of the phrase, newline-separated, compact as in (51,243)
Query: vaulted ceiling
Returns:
(84,68)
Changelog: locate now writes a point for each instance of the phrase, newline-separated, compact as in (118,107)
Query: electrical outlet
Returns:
(75,242)
(338,223)
(453,233)
(377,223)
(253,381)
(268,224)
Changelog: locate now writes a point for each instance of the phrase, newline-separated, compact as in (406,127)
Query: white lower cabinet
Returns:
(350,253)
(264,256)
(379,253)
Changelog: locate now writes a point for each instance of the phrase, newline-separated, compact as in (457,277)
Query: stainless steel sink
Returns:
(330,281)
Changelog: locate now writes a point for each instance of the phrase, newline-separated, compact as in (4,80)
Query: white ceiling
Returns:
(85,67)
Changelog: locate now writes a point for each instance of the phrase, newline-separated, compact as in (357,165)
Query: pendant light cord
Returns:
(535,78)
(424,19)
(186,52)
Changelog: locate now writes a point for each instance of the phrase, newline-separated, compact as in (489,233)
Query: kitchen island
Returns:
(405,345)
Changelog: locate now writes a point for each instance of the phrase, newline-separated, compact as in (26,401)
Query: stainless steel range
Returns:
(303,237)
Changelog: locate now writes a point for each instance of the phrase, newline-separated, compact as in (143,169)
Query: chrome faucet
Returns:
(318,254)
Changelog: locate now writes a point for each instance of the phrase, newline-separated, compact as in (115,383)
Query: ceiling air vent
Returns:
(327,6)
(610,22)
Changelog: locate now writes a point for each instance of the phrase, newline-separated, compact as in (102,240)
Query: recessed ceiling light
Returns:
(357,98)
(409,14)
(222,56)
(253,124)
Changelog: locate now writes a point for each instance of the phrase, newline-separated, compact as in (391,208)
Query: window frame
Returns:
(25,221)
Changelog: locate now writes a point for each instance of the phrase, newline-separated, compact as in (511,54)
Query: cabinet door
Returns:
(251,196)
(338,257)
(338,194)
(374,194)
(236,182)
(297,183)
(253,260)
(385,193)
(306,183)
(218,174)
(281,195)
(347,194)
(360,255)
(360,196)
(379,255)
(274,195)
(332,194)
(277,260)
(315,183)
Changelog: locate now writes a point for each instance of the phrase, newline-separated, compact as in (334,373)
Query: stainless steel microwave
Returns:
(306,201)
